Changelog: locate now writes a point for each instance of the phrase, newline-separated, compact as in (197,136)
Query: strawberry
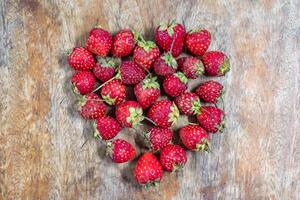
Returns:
(173,157)
(83,82)
(92,107)
(123,43)
(194,138)
(99,42)
(210,91)
(131,73)
(165,64)
(188,103)
(129,114)
(164,113)
(106,127)
(191,67)
(113,92)
(175,84)
(166,34)
(147,91)
(158,138)
(120,151)
(81,59)
(212,119)
(215,63)
(148,171)
(105,68)
(145,53)
(197,41)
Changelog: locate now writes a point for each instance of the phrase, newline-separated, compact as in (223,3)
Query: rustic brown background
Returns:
(41,133)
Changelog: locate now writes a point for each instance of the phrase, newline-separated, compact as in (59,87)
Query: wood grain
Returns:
(41,133)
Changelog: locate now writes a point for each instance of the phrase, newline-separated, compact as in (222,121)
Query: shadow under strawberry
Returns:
(127,175)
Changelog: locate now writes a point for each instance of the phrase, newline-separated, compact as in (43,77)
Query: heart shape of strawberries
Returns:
(108,65)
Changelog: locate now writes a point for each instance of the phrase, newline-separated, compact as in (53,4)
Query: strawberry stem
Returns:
(148,72)
(150,120)
(171,48)
(99,87)
(222,100)
(63,99)
(84,143)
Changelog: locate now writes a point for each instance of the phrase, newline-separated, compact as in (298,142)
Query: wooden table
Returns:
(41,133)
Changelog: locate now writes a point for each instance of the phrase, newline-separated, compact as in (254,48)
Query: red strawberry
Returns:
(83,81)
(92,107)
(197,41)
(106,127)
(120,151)
(129,114)
(173,157)
(105,68)
(113,92)
(211,119)
(99,42)
(148,171)
(165,34)
(131,73)
(215,63)
(164,113)
(147,91)
(175,84)
(194,138)
(81,59)
(158,138)
(165,64)
(145,53)
(123,43)
(210,91)
(188,103)
(191,67)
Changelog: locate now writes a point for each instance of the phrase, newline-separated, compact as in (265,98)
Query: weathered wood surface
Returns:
(41,133)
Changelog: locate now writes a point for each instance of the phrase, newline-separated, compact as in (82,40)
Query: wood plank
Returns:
(41,133)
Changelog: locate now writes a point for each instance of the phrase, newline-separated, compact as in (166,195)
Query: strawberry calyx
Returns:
(196,30)
(82,101)
(177,167)
(147,45)
(199,68)
(168,26)
(108,99)
(75,89)
(225,67)
(170,60)
(196,106)
(222,126)
(135,117)
(150,184)
(150,82)
(109,61)
(96,132)
(174,114)
(118,75)
(182,77)
(203,146)
(141,42)
(221,96)
(109,149)
(68,52)
(98,26)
